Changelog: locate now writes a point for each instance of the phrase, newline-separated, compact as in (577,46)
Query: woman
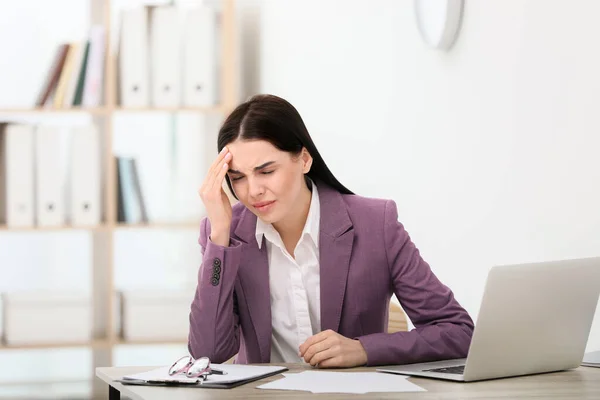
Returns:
(301,269)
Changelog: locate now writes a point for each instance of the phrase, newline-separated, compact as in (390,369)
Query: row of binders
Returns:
(41,187)
(76,75)
(145,314)
(168,58)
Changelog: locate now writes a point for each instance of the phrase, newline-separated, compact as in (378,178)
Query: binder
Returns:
(165,56)
(36,316)
(133,57)
(84,176)
(49,176)
(199,57)
(189,160)
(148,315)
(16,175)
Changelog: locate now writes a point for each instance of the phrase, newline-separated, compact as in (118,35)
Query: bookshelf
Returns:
(105,336)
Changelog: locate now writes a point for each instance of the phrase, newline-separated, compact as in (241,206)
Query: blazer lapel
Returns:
(335,248)
(254,278)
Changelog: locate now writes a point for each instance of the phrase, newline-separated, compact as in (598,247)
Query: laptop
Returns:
(533,318)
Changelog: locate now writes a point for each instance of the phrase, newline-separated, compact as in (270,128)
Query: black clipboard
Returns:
(199,383)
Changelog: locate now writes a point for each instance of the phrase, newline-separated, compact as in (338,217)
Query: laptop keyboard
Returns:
(459,369)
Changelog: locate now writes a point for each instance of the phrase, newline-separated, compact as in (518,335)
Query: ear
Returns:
(306,160)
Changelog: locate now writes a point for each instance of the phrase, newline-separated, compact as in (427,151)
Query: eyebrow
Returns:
(262,166)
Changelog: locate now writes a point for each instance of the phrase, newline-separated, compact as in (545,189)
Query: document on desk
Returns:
(343,382)
(591,359)
(235,375)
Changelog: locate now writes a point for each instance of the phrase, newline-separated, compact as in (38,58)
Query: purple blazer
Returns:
(365,257)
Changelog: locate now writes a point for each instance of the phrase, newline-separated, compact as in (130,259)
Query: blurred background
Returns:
(110,109)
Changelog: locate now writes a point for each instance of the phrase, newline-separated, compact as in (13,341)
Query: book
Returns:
(138,191)
(69,97)
(82,73)
(131,207)
(53,75)
(92,90)
(65,75)
(120,201)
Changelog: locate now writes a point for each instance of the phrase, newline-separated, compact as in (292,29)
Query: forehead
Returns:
(249,154)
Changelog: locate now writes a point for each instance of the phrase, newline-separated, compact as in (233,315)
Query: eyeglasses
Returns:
(193,368)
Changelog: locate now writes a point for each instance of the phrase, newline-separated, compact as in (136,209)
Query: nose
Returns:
(255,188)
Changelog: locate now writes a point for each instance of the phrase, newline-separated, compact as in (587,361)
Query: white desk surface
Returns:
(580,383)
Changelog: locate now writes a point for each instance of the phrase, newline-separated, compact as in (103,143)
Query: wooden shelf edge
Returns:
(104,227)
(110,110)
(34,110)
(4,228)
(93,344)
(42,346)
(207,109)
(156,342)
(38,382)
(160,225)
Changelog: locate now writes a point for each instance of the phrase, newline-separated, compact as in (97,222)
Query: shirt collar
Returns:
(311,227)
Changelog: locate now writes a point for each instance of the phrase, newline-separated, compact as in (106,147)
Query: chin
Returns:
(270,218)
(267,218)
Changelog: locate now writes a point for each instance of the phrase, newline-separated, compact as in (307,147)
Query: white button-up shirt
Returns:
(295,285)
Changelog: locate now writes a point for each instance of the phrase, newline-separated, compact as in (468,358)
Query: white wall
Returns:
(490,150)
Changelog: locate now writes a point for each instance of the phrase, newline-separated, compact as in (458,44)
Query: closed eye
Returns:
(237,178)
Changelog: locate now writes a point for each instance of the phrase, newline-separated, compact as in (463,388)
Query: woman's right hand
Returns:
(216,202)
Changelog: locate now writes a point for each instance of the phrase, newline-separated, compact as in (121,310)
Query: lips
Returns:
(263,204)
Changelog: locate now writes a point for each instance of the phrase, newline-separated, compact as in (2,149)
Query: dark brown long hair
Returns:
(271,118)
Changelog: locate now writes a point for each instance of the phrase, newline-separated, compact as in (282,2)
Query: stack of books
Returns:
(75,77)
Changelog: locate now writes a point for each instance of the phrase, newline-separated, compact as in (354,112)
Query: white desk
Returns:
(581,383)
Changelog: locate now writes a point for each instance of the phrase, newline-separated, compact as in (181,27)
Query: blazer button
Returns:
(216,262)
(217,269)
(214,281)
(216,276)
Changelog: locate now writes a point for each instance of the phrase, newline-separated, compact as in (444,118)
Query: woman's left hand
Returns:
(329,349)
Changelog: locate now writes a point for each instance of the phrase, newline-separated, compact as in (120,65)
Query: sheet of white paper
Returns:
(343,382)
(235,372)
